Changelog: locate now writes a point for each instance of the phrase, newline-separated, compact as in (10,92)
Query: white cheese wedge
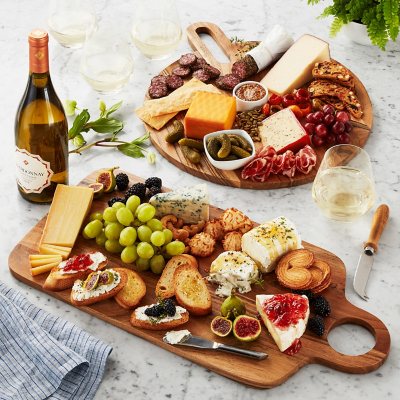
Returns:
(283,338)
(233,270)
(293,70)
(190,203)
(267,242)
(283,131)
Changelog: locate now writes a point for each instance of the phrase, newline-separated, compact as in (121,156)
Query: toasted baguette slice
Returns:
(165,285)
(103,296)
(159,326)
(191,291)
(57,281)
(133,291)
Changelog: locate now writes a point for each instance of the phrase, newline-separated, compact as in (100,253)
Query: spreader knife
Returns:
(370,248)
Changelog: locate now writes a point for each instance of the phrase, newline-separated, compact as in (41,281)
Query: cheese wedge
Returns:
(40,256)
(43,268)
(267,242)
(67,213)
(293,70)
(45,249)
(39,262)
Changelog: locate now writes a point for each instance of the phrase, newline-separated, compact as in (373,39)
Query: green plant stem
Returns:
(108,142)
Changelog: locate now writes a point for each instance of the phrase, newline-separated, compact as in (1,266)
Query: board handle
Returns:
(379,221)
(362,363)
(197,44)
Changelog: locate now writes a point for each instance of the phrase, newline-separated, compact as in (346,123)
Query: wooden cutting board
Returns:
(205,170)
(267,373)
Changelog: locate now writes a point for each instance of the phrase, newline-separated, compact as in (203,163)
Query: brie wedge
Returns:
(283,334)
(267,242)
(233,270)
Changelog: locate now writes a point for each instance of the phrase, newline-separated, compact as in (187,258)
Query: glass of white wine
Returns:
(69,21)
(344,186)
(106,62)
(156,29)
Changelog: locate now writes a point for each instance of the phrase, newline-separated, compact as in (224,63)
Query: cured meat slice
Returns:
(253,168)
(202,75)
(199,64)
(158,90)
(227,82)
(289,164)
(306,159)
(245,67)
(159,79)
(174,82)
(187,60)
(212,71)
(183,72)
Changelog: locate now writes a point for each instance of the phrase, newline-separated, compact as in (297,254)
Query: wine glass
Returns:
(106,61)
(344,186)
(70,20)
(156,29)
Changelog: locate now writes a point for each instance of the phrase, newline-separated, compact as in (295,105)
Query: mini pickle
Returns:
(176,134)
(238,151)
(192,143)
(225,146)
(213,146)
(191,154)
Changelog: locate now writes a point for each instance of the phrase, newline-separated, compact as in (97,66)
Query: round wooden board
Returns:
(205,170)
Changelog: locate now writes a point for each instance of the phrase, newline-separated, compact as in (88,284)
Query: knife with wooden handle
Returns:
(366,259)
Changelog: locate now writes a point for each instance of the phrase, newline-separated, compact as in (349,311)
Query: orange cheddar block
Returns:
(209,112)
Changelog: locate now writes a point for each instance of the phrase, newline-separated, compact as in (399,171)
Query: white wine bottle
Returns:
(41,129)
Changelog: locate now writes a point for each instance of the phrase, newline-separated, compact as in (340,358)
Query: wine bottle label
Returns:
(33,173)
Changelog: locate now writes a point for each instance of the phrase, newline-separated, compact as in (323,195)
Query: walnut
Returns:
(234,220)
(202,245)
(215,229)
(232,241)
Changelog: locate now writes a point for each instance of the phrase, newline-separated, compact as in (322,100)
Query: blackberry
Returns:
(321,306)
(316,325)
(169,307)
(122,181)
(155,311)
(154,181)
(138,189)
(307,293)
(115,199)
(153,190)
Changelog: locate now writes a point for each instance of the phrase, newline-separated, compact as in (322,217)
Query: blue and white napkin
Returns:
(43,356)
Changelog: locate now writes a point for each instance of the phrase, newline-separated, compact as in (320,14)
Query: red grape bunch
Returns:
(328,127)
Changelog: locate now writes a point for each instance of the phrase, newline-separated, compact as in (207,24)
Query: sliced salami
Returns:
(183,72)
(212,71)
(158,90)
(227,82)
(244,68)
(201,75)
(187,60)
(199,64)
(174,82)
(159,79)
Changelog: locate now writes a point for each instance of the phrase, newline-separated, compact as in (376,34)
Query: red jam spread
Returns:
(250,92)
(80,262)
(284,310)
(294,348)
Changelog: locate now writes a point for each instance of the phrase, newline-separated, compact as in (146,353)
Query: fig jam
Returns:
(78,263)
(284,310)
(294,348)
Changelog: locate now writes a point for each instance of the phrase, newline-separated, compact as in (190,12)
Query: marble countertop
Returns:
(136,368)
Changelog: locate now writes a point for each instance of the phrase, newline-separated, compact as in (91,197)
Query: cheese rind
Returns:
(283,131)
(283,338)
(191,203)
(209,112)
(293,70)
(67,213)
(267,242)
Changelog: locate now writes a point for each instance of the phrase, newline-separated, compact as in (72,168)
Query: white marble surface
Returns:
(137,369)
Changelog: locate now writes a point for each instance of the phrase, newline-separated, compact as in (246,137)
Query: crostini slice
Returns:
(134,290)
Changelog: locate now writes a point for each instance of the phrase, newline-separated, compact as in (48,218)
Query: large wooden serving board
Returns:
(205,170)
(267,373)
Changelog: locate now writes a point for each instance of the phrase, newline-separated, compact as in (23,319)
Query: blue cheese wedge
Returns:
(233,270)
(267,242)
(190,203)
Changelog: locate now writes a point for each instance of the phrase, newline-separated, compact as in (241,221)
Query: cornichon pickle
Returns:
(243,143)
(191,154)
(231,157)
(194,144)
(225,145)
(234,142)
(176,133)
(213,147)
(238,151)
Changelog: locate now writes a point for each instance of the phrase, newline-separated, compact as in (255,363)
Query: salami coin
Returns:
(183,72)
(158,90)
(201,75)
(159,79)
(199,64)
(212,71)
(174,82)
(227,82)
(187,60)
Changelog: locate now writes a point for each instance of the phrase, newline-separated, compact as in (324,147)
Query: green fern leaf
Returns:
(391,15)
(377,33)
(330,10)
(336,26)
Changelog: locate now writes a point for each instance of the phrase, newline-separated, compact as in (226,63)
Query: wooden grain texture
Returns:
(205,170)
(379,222)
(271,372)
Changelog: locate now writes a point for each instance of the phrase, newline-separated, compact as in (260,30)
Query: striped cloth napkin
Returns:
(43,356)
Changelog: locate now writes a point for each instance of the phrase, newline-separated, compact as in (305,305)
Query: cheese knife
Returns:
(200,343)
(366,259)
